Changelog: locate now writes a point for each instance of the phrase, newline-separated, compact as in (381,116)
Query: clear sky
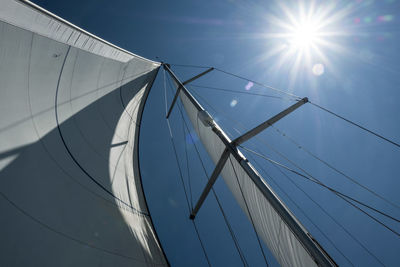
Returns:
(342,55)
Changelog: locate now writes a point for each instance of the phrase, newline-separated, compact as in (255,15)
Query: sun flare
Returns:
(304,35)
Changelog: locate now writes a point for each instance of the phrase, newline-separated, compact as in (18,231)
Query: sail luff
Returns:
(285,236)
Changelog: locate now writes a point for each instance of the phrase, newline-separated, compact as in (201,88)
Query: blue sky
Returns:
(351,68)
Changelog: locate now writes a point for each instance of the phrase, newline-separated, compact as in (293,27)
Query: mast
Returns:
(308,251)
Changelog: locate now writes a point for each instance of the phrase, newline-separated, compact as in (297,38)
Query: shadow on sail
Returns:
(70,187)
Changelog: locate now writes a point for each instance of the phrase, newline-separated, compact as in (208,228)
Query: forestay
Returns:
(268,223)
(71,106)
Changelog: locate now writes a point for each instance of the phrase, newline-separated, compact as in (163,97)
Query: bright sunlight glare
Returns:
(304,35)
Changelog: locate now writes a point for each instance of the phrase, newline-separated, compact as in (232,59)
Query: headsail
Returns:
(70,186)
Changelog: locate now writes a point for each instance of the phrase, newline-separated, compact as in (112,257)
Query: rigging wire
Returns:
(201,243)
(165,93)
(355,124)
(316,203)
(189,66)
(299,98)
(260,84)
(179,167)
(323,185)
(248,211)
(186,195)
(232,233)
(354,238)
(334,168)
(310,153)
(337,192)
(175,151)
(190,190)
(299,208)
(243,78)
(341,195)
(230,229)
(329,215)
(181,176)
(238,92)
(187,167)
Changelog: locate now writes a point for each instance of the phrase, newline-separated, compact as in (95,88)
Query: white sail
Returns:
(71,106)
(269,225)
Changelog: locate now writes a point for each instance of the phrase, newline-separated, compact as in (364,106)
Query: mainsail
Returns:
(287,239)
(70,185)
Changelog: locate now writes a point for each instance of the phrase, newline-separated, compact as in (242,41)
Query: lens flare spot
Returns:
(385,18)
(318,69)
(172,202)
(249,85)
(233,103)
(367,19)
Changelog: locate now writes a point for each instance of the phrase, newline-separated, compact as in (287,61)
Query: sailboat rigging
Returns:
(208,121)
(305,253)
(71,183)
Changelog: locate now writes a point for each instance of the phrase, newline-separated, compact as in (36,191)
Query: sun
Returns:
(304,35)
